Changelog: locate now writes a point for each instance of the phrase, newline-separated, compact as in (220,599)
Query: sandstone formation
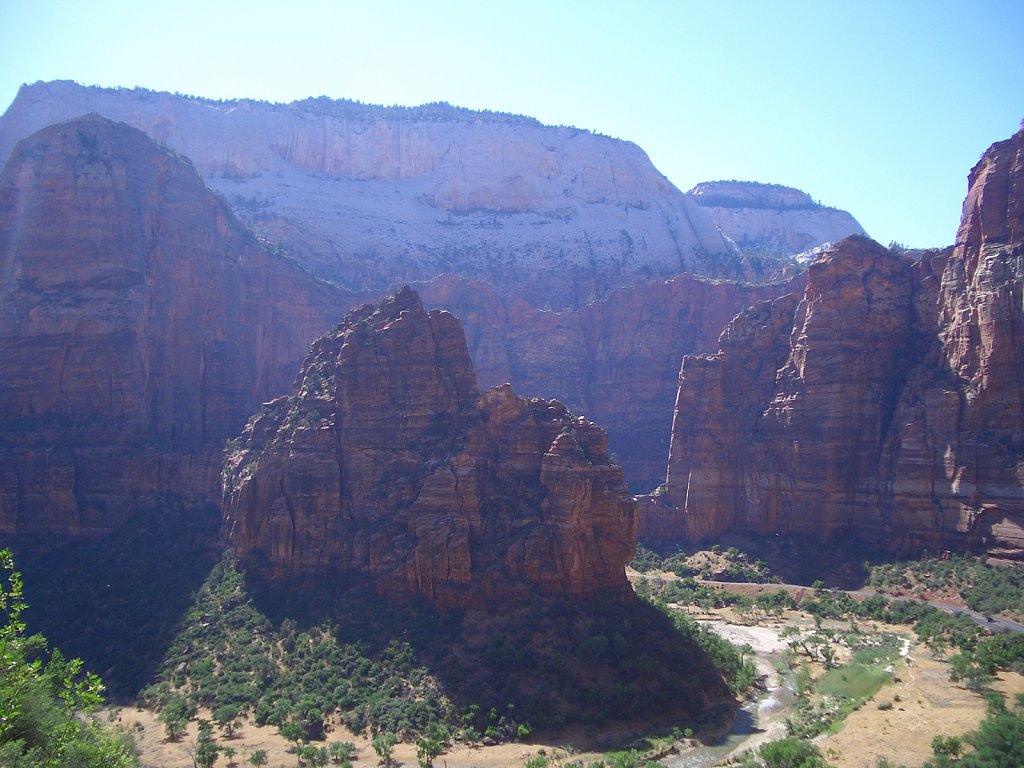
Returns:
(884,402)
(772,220)
(139,327)
(615,360)
(370,197)
(387,462)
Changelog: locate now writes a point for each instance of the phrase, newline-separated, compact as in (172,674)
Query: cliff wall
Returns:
(884,402)
(372,197)
(388,462)
(141,324)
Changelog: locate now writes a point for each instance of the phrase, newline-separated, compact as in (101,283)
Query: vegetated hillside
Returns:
(370,196)
(884,403)
(141,324)
(304,653)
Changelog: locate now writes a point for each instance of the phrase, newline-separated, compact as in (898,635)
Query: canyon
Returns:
(883,401)
(372,197)
(143,322)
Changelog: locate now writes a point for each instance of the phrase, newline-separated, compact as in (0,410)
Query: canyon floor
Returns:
(898,723)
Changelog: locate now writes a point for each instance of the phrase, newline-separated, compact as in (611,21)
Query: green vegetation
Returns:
(431,677)
(822,706)
(985,588)
(94,598)
(730,565)
(44,704)
(998,742)
(790,752)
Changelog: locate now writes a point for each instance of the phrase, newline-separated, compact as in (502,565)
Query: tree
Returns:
(258,758)
(951,746)
(41,705)
(226,718)
(426,750)
(341,751)
(384,746)
(292,731)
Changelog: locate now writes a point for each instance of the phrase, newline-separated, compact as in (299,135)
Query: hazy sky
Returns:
(880,107)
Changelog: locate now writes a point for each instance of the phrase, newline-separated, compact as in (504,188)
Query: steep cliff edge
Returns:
(770,219)
(885,402)
(370,197)
(387,462)
(615,360)
(140,325)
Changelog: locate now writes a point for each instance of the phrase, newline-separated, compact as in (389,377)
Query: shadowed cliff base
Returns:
(116,601)
(317,652)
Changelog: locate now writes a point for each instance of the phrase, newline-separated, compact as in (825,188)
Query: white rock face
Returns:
(371,196)
(772,220)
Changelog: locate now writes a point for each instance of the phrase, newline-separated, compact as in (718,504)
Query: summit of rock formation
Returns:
(770,219)
(884,402)
(387,462)
(140,325)
(370,197)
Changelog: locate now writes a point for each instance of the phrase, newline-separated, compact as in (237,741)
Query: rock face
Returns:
(886,401)
(140,325)
(615,360)
(770,219)
(387,462)
(369,197)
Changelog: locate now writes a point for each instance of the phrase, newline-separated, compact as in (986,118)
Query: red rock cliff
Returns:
(387,462)
(885,402)
(140,326)
(615,360)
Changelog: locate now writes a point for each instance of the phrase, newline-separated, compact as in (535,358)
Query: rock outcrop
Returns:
(370,197)
(770,219)
(615,360)
(140,325)
(387,462)
(885,402)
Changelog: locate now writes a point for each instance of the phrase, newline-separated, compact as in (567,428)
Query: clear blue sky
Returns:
(880,107)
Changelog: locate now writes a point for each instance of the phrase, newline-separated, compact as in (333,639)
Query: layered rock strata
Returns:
(615,360)
(369,196)
(770,219)
(886,401)
(387,462)
(140,325)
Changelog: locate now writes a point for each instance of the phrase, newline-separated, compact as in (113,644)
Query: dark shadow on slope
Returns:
(599,664)
(296,652)
(838,562)
(117,601)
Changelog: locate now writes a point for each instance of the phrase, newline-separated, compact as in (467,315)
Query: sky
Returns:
(879,107)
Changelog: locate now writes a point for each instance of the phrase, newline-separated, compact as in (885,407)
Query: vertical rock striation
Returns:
(140,325)
(885,402)
(615,360)
(387,462)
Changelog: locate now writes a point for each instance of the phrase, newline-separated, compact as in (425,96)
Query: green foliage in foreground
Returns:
(41,703)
